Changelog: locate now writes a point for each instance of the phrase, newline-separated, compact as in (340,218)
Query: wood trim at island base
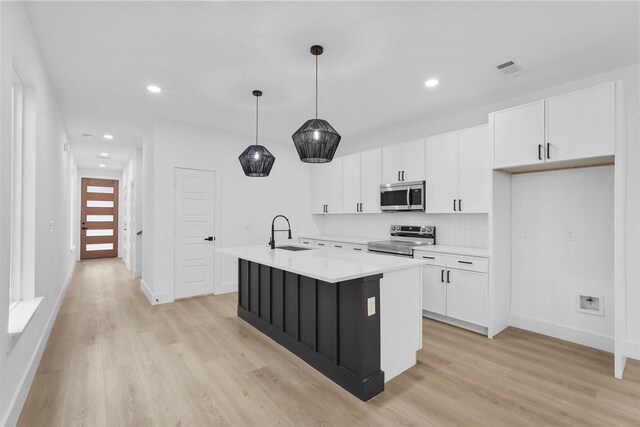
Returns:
(325,324)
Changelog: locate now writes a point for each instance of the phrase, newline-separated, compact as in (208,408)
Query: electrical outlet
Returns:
(371,306)
(571,235)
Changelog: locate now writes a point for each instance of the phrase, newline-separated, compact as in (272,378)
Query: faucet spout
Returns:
(272,242)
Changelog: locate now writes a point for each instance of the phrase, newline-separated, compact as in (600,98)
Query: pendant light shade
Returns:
(316,141)
(256,160)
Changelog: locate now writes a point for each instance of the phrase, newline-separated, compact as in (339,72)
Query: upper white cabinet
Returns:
(326,187)
(569,130)
(403,162)
(580,124)
(458,171)
(361,174)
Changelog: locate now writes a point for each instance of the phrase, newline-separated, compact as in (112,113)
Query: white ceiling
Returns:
(209,56)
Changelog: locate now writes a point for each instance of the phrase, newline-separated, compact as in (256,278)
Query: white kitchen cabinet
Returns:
(361,174)
(326,187)
(580,124)
(570,130)
(304,241)
(467,296)
(403,162)
(458,173)
(434,290)
(519,135)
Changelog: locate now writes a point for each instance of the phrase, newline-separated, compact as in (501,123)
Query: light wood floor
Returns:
(113,359)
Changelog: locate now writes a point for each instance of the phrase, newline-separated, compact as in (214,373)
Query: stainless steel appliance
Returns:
(403,196)
(403,239)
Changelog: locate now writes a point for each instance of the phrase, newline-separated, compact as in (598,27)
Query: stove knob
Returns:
(423,229)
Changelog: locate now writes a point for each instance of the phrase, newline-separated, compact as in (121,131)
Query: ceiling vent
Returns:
(510,69)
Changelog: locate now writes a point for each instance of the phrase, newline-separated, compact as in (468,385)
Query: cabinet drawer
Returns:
(307,241)
(431,258)
(469,263)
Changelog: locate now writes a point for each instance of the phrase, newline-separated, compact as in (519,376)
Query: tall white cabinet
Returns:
(361,174)
(403,162)
(458,171)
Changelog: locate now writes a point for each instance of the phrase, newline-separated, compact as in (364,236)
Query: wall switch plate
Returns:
(371,306)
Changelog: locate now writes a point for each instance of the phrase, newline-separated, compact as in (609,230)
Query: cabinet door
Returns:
(434,290)
(391,163)
(474,170)
(442,172)
(319,192)
(370,180)
(350,183)
(467,296)
(333,185)
(518,134)
(413,160)
(580,124)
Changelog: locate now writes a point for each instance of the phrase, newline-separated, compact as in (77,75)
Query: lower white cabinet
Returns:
(455,287)
(350,246)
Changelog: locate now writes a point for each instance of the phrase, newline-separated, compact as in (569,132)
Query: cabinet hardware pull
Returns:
(465,262)
(320,244)
(459,205)
(357,249)
(361,208)
(428,257)
(448,271)
(442,276)
(454,205)
(305,243)
(539,153)
(548,150)
(399,176)
(403,175)
(337,246)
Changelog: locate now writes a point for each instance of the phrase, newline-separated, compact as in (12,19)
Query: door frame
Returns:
(215,214)
(83,213)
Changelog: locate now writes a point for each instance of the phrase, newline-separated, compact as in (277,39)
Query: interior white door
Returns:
(194,225)
(434,289)
(370,180)
(351,183)
(519,135)
(442,172)
(413,160)
(474,170)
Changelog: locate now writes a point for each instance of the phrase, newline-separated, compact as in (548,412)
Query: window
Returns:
(17,131)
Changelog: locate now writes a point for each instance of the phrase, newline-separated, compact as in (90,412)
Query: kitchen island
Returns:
(355,317)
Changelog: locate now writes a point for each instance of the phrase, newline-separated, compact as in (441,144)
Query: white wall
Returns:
(53,257)
(468,230)
(548,269)
(244,207)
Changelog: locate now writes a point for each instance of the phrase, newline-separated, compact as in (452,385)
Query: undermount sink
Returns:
(293,248)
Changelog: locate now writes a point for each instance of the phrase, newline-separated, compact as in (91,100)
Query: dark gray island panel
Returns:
(325,324)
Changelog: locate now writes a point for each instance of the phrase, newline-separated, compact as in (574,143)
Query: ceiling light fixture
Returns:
(256,160)
(316,140)
(108,136)
(431,83)
(104,154)
(102,165)
(154,89)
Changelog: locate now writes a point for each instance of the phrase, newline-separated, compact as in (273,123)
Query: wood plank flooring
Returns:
(114,360)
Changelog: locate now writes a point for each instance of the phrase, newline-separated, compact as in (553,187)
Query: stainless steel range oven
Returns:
(402,196)
(404,238)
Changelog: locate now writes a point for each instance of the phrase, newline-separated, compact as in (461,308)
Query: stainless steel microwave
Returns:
(403,196)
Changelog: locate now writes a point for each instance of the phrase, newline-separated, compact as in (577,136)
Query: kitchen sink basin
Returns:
(293,248)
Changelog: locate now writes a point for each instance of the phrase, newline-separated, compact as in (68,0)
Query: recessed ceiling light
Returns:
(87,135)
(431,83)
(154,89)
(104,154)
(102,165)
(108,136)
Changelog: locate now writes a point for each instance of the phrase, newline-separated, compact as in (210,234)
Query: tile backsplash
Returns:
(467,230)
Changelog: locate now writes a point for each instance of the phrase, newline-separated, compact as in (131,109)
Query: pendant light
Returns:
(256,160)
(316,140)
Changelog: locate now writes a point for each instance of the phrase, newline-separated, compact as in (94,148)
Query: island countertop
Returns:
(326,264)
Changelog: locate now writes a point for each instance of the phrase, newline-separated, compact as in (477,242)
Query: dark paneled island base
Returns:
(331,326)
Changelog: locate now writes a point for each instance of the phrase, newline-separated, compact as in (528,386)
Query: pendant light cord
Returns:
(316,87)
(257,98)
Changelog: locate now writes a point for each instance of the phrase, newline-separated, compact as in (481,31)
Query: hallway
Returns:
(112,359)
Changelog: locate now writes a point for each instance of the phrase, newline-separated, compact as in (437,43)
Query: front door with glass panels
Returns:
(99,218)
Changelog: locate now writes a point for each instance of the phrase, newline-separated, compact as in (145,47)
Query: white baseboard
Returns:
(455,322)
(137,273)
(578,336)
(633,350)
(10,418)
(226,288)
(154,299)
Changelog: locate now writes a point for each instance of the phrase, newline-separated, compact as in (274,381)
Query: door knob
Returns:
(210,238)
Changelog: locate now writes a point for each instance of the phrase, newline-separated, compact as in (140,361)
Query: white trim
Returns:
(633,350)
(20,396)
(151,297)
(226,288)
(577,336)
(455,322)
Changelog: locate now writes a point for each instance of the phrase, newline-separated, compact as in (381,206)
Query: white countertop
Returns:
(454,250)
(326,264)
(343,239)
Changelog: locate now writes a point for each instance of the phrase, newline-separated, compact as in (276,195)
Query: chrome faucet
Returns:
(272,242)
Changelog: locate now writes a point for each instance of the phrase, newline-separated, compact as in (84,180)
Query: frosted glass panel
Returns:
(93,189)
(99,218)
(93,233)
(99,247)
(99,204)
